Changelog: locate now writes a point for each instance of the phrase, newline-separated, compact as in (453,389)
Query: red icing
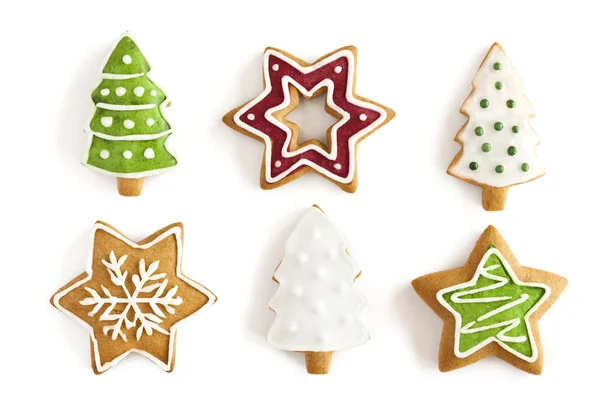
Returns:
(309,81)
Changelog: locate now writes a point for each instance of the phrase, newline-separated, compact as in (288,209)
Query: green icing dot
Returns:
(485,103)
(497,66)
(512,150)
(525,167)
(498,126)
(473,166)
(479,131)
(515,129)
(486,147)
(499,85)
(510,103)
(499,169)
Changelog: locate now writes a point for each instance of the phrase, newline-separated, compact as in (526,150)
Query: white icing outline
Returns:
(122,107)
(177,231)
(162,108)
(345,116)
(481,270)
(149,136)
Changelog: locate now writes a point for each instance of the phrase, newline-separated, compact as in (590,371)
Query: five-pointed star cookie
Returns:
(286,78)
(133,296)
(490,306)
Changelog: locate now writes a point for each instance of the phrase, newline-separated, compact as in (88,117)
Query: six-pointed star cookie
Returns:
(490,306)
(286,78)
(132,296)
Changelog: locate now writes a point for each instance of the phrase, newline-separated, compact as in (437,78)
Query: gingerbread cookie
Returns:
(133,296)
(317,304)
(286,78)
(490,306)
(498,144)
(128,134)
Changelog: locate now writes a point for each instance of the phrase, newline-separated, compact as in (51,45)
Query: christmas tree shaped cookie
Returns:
(498,143)
(133,296)
(317,304)
(128,133)
(490,306)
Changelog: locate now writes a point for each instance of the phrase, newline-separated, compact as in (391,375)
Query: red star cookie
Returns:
(263,118)
(133,296)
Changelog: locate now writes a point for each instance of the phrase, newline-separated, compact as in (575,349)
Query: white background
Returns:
(408,217)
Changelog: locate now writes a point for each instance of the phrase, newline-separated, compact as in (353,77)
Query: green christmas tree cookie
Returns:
(128,133)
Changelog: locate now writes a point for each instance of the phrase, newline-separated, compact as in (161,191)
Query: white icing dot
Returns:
(278,163)
(138,91)
(106,121)
(128,124)
(275,67)
(104,154)
(149,153)
(153,93)
(323,338)
(251,117)
(105,92)
(363,117)
(126,59)
(337,166)
(120,91)
(337,69)
(303,258)
(322,273)
(149,122)
(127,154)
(298,291)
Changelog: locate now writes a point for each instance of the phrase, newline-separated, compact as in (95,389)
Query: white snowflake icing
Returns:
(146,322)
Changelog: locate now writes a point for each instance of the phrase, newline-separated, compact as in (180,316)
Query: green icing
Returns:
(138,162)
(479,131)
(485,103)
(497,66)
(499,85)
(116,65)
(130,92)
(486,147)
(497,290)
(512,150)
(498,126)
(499,169)
(515,129)
(525,167)
(510,103)
(473,165)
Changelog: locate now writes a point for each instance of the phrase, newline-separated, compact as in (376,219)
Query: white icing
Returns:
(120,91)
(337,166)
(337,69)
(149,153)
(177,232)
(363,117)
(150,121)
(127,154)
(138,91)
(151,136)
(251,117)
(153,93)
(149,321)
(275,67)
(106,121)
(308,297)
(278,163)
(286,82)
(119,77)
(123,107)
(128,124)
(525,141)
(104,154)
(105,92)
(126,59)
(501,338)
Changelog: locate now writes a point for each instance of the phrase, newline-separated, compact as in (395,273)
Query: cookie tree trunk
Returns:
(318,363)
(494,198)
(130,187)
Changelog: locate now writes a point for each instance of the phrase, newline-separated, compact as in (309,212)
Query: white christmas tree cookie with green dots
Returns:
(128,134)
(498,143)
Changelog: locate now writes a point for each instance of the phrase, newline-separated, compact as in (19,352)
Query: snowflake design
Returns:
(148,322)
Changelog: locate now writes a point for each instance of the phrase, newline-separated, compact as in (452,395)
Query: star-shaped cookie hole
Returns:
(308,122)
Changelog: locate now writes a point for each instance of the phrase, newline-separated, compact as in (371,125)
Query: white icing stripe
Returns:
(150,136)
(121,107)
(95,351)
(286,101)
(317,305)
(121,76)
(501,337)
